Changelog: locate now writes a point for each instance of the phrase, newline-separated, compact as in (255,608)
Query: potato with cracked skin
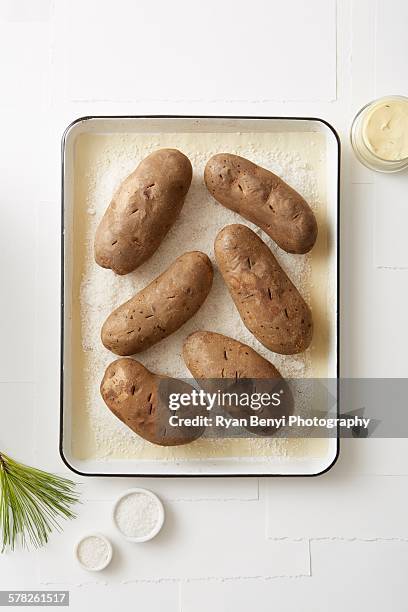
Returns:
(219,362)
(142,210)
(269,304)
(160,308)
(263,198)
(139,398)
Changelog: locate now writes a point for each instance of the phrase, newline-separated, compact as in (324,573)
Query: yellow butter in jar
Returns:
(379,134)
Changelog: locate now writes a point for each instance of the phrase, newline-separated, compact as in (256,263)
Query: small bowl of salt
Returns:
(139,515)
(93,552)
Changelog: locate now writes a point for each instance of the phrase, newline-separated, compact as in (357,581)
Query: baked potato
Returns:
(263,198)
(220,363)
(142,211)
(269,304)
(215,356)
(160,308)
(139,398)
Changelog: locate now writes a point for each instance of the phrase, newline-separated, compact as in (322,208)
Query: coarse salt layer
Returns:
(102,163)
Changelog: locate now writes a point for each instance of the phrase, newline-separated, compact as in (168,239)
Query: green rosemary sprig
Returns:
(31,503)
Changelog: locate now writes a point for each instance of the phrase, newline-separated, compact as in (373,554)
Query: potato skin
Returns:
(230,365)
(263,198)
(142,211)
(138,398)
(211,355)
(160,308)
(269,304)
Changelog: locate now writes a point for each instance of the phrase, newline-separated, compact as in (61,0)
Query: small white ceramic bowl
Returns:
(107,560)
(160,519)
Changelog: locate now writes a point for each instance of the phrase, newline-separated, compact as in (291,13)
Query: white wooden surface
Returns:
(339,541)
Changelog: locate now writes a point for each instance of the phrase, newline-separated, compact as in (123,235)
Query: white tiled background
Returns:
(332,543)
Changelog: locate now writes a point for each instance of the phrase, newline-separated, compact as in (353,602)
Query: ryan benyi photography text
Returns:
(253,405)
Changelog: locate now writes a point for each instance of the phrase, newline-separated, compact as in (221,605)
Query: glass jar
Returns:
(379,134)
